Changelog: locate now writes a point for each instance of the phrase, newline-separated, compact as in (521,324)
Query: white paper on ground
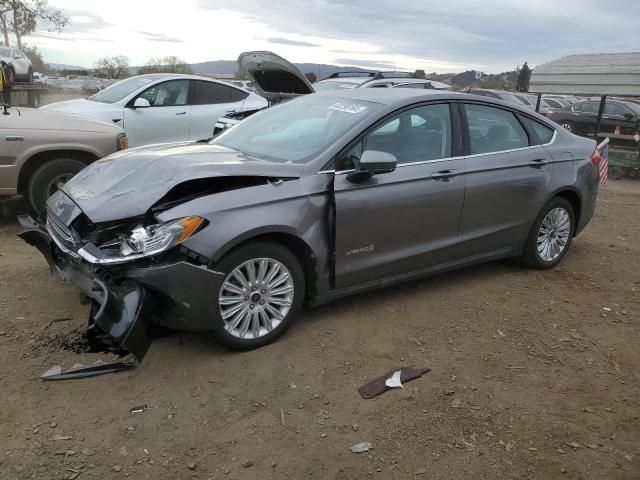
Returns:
(394,380)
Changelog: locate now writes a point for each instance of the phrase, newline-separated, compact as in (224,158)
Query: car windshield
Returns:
(118,91)
(296,131)
(323,86)
(5,52)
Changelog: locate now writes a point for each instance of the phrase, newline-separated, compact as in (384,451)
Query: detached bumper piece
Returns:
(81,371)
(173,294)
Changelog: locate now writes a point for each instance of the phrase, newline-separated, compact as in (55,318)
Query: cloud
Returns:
(501,33)
(365,63)
(288,41)
(159,37)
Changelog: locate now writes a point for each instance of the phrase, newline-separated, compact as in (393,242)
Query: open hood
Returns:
(275,78)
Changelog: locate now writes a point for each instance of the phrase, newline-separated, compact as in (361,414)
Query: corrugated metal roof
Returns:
(594,74)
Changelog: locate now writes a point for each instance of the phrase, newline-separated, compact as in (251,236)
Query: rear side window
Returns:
(589,107)
(494,130)
(543,132)
(209,93)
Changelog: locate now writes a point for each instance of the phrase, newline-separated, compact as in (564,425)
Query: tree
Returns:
(522,84)
(35,56)
(113,67)
(419,74)
(312,77)
(22,16)
(168,64)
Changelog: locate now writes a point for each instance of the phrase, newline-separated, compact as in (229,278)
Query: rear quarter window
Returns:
(543,132)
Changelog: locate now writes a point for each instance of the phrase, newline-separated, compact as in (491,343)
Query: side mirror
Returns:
(628,116)
(373,162)
(141,103)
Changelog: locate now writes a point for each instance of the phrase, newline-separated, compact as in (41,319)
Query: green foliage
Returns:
(35,56)
(522,84)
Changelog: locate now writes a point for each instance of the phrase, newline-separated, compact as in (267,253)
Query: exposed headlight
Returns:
(147,241)
(123,142)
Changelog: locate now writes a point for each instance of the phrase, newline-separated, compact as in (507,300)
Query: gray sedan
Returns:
(324,196)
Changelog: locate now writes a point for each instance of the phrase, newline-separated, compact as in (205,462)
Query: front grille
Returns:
(60,233)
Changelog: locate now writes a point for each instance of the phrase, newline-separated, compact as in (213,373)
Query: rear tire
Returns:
(48,178)
(553,228)
(264,326)
(567,125)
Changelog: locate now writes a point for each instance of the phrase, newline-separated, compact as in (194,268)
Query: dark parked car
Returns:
(620,120)
(327,195)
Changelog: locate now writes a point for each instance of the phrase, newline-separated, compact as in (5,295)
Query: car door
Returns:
(165,120)
(406,220)
(210,101)
(506,180)
(585,122)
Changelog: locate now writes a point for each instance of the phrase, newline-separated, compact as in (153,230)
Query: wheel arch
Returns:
(573,196)
(282,236)
(36,160)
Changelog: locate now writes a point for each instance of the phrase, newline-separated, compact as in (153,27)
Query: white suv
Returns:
(15,65)
(160,108)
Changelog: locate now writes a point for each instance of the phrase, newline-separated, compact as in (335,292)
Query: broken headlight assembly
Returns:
(144,242)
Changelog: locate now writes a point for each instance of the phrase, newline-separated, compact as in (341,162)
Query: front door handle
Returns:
(538,163)
(444,174)
(181,113)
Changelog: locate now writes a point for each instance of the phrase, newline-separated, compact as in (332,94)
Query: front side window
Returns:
(298,130)
(419,134)
(494,130)
(589,107)
(167,94)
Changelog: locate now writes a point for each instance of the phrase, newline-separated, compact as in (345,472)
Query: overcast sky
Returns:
(435,35)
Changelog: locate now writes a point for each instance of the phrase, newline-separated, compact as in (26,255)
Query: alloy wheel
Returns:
(255,298)
(553,234)
(58,181)
(566,126)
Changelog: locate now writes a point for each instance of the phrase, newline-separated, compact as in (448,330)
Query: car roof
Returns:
(399,97)
(174,76)
(354,80)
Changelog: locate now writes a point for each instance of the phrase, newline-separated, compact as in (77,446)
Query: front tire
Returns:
(48,178)
(261,295)
(550,236)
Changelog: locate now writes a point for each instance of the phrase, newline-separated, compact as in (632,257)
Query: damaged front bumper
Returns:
(128,299)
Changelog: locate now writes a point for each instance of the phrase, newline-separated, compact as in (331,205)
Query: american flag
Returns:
(603,153)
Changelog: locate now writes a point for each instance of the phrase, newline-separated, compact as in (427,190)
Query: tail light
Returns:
(549,114)
(595,157)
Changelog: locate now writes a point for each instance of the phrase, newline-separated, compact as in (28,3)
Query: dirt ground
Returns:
(534,375)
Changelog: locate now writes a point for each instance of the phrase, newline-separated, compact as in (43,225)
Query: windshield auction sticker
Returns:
(347,107)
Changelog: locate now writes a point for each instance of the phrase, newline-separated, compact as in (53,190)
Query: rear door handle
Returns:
(538,163)
(181,113)
(444,174)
